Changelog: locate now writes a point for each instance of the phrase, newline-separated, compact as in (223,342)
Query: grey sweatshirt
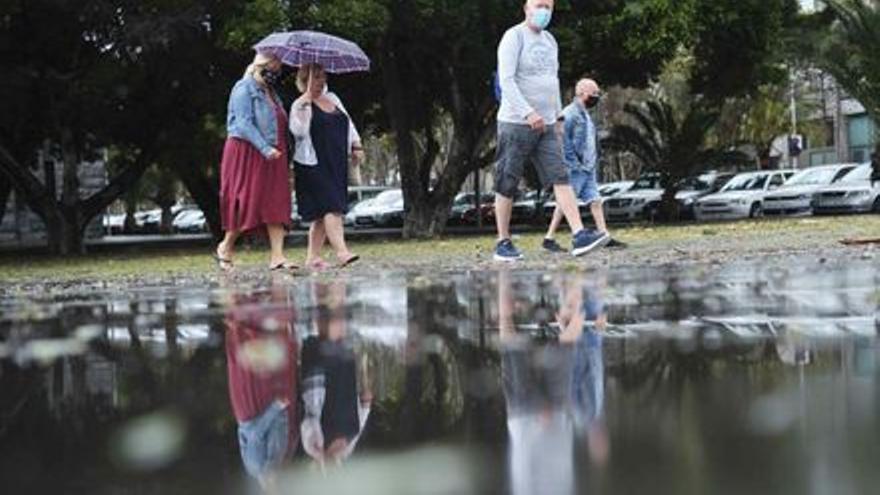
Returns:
(528,71)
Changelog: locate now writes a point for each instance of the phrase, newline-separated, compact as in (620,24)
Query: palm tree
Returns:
(675,147)
(849,51)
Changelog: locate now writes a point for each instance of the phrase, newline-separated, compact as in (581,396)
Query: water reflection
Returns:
(486,382)
(335,413)
(553,384)
(262,361)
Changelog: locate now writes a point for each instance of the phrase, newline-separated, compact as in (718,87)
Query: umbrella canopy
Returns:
(297,48)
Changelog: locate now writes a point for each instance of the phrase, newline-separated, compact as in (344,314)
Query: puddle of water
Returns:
(710,380)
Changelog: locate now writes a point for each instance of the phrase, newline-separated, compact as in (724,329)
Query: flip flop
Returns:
(284,266)
(350,261)
(223,261)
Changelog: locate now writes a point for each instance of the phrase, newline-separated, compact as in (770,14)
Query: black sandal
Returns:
(223,261)
(350,261)
(284,266)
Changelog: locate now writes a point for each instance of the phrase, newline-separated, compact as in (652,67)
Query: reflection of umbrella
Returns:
(298,48)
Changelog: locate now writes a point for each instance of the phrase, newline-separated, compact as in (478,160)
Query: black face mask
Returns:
(271,77)
(592,101)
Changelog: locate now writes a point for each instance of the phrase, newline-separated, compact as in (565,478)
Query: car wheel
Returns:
(876,208)
(757,211)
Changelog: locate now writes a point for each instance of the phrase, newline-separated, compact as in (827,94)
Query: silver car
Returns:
(795,197)
(630,205)
(855,193)
(742,197)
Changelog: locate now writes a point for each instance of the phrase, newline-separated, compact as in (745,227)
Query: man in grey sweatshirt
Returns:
(529,127)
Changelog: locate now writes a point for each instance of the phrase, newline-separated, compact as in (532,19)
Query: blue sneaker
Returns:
(506,251)
(588,240)
(552,246)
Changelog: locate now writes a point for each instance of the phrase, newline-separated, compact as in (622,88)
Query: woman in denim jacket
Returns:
(254,173)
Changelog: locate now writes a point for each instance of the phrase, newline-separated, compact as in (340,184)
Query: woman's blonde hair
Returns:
(261,60)
(304,73)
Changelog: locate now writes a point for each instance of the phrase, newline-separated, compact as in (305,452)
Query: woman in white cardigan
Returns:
(326,140)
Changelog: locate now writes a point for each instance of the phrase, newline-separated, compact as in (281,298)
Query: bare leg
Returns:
(336,234)
(503,210)
(276,245)
(226,249)
(554,222)
(599,216)
(566,201)
(317,238)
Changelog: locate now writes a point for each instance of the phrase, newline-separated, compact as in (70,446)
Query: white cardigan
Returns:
(300,126)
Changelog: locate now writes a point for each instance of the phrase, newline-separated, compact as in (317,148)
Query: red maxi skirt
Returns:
(255,191)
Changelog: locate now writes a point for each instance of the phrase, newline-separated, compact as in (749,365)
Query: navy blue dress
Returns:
(323,188)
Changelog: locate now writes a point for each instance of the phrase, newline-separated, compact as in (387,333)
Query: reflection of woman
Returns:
(334,414)
(326,140)
(262,371)
(254,181)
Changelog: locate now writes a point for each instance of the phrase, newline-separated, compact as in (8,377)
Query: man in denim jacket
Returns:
(581,154)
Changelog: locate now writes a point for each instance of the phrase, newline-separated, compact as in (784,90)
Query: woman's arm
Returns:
(241,106)
(301,116)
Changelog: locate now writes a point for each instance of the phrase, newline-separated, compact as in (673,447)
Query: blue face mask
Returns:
(541,17)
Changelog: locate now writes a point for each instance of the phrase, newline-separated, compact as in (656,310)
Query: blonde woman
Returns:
(254,176)
(326,140)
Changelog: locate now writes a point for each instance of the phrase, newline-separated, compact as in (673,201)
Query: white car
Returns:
(359,208)
(386,209)
(742,197)
(614,188)
(795,197)
(190,221)
(855,193)
(630,205)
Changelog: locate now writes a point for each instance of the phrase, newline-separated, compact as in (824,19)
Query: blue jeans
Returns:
(585,185)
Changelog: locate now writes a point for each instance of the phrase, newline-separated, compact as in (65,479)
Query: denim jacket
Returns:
(251,115)
(579,146)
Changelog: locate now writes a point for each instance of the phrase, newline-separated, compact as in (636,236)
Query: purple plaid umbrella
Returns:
(297,48)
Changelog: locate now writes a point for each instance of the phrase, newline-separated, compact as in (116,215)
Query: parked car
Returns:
(356,209)
(190,221)
(614,188)
(630,205)
(385,210)
(742,197)
(465,201)
(795,197)
(689,191)
(854,193)
(114,224)
(357,194)
(486,210)
(526,205)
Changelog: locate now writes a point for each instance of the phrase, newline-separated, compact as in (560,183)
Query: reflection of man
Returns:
(335,415)
(261,349)
(552,392)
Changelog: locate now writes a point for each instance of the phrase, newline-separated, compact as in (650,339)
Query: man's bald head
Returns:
(586,88)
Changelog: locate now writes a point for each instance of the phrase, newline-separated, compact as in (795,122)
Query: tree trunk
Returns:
(205,192)
(670,209)
(5,192)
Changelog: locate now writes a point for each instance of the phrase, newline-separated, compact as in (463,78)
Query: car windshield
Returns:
(649,182)
(813,177)
(463,199)
(859,174)
(747,183)
(702,183)
(388,198)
